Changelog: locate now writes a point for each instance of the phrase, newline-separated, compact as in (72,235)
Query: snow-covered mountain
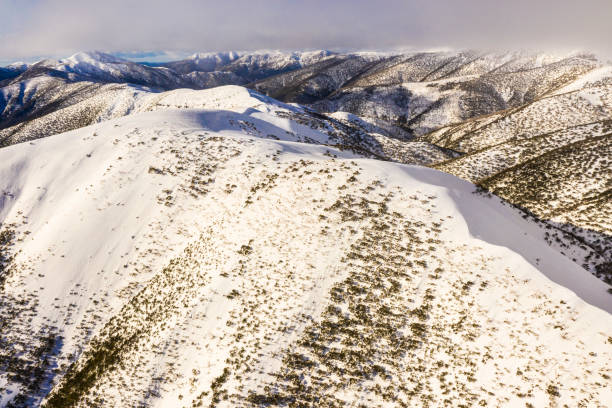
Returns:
(84,82)
(12,71)
(203,70)
(505,121)
(203,62)
(249,66)
(424,91)
(531,128)
(103,102)
(220,248)
(551,156)
(406,94)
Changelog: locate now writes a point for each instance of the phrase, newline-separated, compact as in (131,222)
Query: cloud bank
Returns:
(61,27)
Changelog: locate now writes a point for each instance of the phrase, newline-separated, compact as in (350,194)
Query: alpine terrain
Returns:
(307,229)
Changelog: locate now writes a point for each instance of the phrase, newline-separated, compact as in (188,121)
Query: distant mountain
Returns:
(103,102)
(198,71)
(248,66)
(202,62)
(407,94)
(220,248)
(424,91)
(12,71)
(81,85)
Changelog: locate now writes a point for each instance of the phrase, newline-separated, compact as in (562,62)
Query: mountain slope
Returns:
(424,91)
(52,96)
(497,119)
(249,66)
(12,71)
(551,157)
(201,263)
(45,106)
(103,102)
(405,94)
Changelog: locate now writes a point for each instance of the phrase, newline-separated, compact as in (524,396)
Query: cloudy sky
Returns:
(31,28)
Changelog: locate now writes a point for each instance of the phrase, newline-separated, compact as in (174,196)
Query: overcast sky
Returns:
(30,28)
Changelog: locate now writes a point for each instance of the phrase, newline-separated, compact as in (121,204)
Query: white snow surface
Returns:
(92,62)
(588,80)
(103,209)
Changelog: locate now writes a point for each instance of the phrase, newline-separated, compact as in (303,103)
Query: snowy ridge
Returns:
(92,64)
(404,93)
(185,257)
(551,157)
(212,61)
(532,128)
(112,101)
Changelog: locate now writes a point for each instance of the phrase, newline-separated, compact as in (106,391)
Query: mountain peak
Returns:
(91,57)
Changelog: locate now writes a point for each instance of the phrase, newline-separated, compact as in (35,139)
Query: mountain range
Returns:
(306,229)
